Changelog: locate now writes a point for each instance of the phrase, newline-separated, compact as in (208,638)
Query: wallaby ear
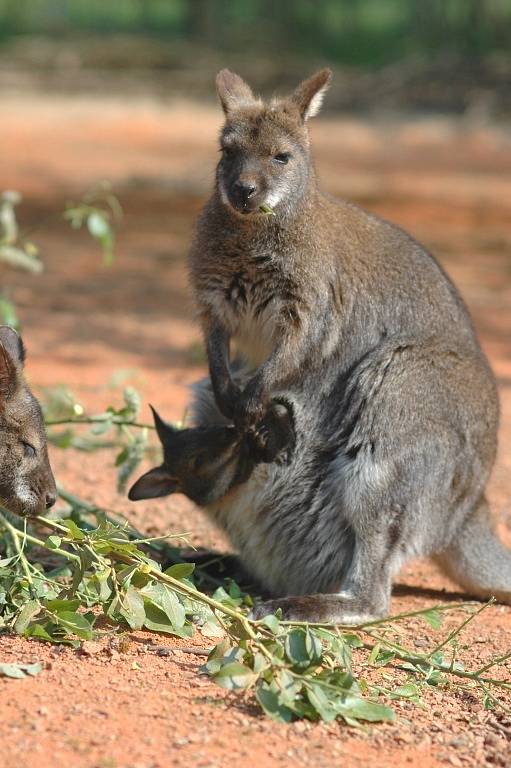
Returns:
(163,430)
(13,343)
(309,95)
(12,357)
(155,483)
(233,91)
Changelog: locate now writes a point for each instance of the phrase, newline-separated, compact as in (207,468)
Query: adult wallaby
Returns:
(360,329)
(27,485)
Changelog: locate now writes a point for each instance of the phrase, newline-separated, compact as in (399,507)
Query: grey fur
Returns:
(357,326)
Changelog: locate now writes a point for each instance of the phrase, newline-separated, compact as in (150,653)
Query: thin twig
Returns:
(115,420)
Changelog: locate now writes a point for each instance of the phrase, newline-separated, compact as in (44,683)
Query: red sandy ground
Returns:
(450,185)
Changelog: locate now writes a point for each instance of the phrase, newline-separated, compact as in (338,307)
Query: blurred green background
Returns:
(366,32)
(419,54)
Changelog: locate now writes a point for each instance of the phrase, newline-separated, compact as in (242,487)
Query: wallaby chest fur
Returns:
(334,273)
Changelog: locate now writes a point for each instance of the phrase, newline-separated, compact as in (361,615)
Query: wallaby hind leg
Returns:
(477,560)
(364,596)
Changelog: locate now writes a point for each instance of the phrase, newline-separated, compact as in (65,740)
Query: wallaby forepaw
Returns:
(248,413)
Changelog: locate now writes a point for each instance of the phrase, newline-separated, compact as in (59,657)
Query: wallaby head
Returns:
(204,463)
(27,485)
(265,147)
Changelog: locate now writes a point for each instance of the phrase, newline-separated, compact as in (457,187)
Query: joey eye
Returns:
(28,450)
(197,462)
(282,158)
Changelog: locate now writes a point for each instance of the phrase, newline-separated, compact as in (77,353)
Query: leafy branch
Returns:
(113,428)
(98,210)
(293,670)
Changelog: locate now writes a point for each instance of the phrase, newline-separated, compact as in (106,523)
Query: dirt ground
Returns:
(449,184)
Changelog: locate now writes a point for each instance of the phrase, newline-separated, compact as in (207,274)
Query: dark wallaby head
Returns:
(265,147)
(204,463)
(27,485)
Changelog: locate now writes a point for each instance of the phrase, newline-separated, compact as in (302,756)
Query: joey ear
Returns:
(12,356)
(155,483)
(163,429)
(309,95)
(233,91)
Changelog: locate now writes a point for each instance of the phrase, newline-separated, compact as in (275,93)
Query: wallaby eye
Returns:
(28,450)
(282,157)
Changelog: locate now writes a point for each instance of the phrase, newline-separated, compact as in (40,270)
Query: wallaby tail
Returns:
(477,560)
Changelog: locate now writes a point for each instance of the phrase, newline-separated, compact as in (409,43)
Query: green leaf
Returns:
(54,541)
(132,608)
(352,640)
(132,400)
(58,605)
(158,621)
(374,654)
(180,570)
(289,686)
(406,691)
(33,669)
(212,629)
(272,623)
(11,670)
(167,600)
(221,596)
(40,633)
(173,608)
(27,613)
(303,649)
(74,532)
(20,670)
(75,624)
(362,709)
(97,225)
(269,703)
(234,676)
(385,657)
(217,656)
(433,618)
(321,703)
(121,457)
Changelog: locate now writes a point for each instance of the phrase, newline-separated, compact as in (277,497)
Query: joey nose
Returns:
(245,190)
(51,498)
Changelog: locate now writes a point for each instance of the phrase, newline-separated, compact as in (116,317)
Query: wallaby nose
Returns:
(51,498)
(245,189)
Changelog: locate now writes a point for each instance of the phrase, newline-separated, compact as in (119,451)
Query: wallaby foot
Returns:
(477,560)
(364,594)
(323,609)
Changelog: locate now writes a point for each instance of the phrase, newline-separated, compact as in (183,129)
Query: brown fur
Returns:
(291,288)
(27,485)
